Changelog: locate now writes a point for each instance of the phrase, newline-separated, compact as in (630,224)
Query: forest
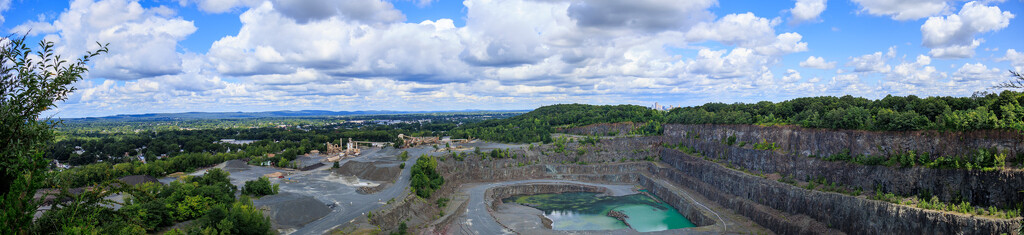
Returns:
(537,125)
(982,111)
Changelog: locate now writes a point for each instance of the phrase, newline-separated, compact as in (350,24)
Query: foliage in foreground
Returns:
(208,199)
(30,83)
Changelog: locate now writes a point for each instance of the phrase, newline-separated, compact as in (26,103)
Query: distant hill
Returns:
(266,114)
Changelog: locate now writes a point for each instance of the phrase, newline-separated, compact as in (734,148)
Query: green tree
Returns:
(1016,81)
(259,187)
(30,83)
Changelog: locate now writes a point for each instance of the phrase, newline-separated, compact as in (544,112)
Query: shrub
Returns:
(765,145)
(260,187)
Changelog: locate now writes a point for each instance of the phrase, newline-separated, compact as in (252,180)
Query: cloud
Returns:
(917,73)
(644,15)
(807,10)
(1015,58)
(143,41)
(904,9)
(791,76)
(955,51)
(785,43)
(740,62)
(869,63)
(817,63)
(977,72)
(512,33)
(4,6)
(745,29)
(361,54)
(220,6)
(272,43)
(953,36)
(367,11)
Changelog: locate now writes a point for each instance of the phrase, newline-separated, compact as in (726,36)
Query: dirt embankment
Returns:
(372,171)
(984,188)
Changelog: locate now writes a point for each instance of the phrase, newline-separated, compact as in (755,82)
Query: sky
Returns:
(433,55)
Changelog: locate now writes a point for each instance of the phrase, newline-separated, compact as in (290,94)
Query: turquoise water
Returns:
(587,211)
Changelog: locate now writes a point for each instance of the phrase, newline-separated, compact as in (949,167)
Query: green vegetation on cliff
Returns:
(425,179)
(537,125)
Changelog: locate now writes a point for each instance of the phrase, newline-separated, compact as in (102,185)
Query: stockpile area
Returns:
(372,171)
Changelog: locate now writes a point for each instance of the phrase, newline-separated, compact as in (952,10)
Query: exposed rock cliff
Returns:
(842,212)
(808,141)
(985,188)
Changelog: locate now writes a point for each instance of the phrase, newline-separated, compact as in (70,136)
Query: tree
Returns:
(259,187)
(29,84)
(1016,81)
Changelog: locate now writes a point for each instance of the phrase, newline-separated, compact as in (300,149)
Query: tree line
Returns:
(537,125)
(982,111)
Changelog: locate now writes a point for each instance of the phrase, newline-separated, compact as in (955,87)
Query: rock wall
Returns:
(696,214)
(808,141)
(601,129)
(846,213)
(408,208)
(496,194)
(984,188)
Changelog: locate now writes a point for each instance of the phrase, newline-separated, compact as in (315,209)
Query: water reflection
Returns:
(588,211)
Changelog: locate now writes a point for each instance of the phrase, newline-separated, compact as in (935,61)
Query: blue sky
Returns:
(260,55)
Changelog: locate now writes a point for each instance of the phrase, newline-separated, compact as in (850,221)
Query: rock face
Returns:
(780,207)
(619,216)
(601,129)
(845,213)
(984,188)
(496,194)
(823,142)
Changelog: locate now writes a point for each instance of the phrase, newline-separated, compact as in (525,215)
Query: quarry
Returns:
(715,186)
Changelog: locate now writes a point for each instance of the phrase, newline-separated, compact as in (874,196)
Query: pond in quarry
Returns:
(588,211)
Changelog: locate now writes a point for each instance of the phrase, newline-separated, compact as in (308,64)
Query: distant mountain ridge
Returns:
(265,114)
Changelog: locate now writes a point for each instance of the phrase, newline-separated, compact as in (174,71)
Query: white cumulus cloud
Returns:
(870,63)
(807,10)
(143,41)
(817,63)
(976,72)
(904,9)
(1015,58)
(953,36)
